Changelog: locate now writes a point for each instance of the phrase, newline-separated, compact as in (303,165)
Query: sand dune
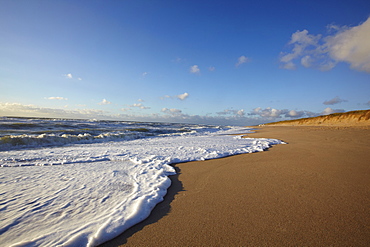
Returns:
(352,118)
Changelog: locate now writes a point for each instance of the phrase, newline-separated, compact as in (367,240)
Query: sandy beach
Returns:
(314,191)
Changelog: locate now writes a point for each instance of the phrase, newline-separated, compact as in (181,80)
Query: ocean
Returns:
(69,182)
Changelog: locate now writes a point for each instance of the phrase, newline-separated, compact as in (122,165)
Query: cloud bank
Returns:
(270,114)
(226,117)
(231,112)
(173,112)
(16,109)
(348,44)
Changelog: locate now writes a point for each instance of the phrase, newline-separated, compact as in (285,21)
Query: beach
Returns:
(313,191)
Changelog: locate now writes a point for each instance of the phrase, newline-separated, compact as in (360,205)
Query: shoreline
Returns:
(313,191)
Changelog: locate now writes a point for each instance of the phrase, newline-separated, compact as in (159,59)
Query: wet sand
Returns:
(314,191)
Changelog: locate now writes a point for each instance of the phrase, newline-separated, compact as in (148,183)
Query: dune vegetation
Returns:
(351,118)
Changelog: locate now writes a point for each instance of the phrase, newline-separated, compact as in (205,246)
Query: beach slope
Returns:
(314,191)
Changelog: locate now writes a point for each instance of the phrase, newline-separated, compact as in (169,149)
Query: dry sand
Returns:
(314,191)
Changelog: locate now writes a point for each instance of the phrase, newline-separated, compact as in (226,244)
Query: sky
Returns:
(212,62)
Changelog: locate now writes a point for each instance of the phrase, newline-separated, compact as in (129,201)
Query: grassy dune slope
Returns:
(352,118)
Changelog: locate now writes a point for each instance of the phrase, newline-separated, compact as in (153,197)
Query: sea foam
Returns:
(84,195)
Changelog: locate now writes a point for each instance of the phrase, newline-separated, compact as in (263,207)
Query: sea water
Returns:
(83,182)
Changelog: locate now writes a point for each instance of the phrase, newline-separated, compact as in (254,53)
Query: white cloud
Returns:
(334,101)
(140,100)
(224,112)
(182,96)
(125,109)
(139,105)
(329,110)
(57,98)
(144,74)
(352,45)
(68,76)
(240,112)
(270,114)
(172,111)
(295,114)
(306,61)
(211,68)
(302,43)
(194,69)
(105,102)
(241,60)
(289,65)
(232,112)
(348,44)
(166,97)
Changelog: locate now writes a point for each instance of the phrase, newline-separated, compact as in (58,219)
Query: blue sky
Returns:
(214,62)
